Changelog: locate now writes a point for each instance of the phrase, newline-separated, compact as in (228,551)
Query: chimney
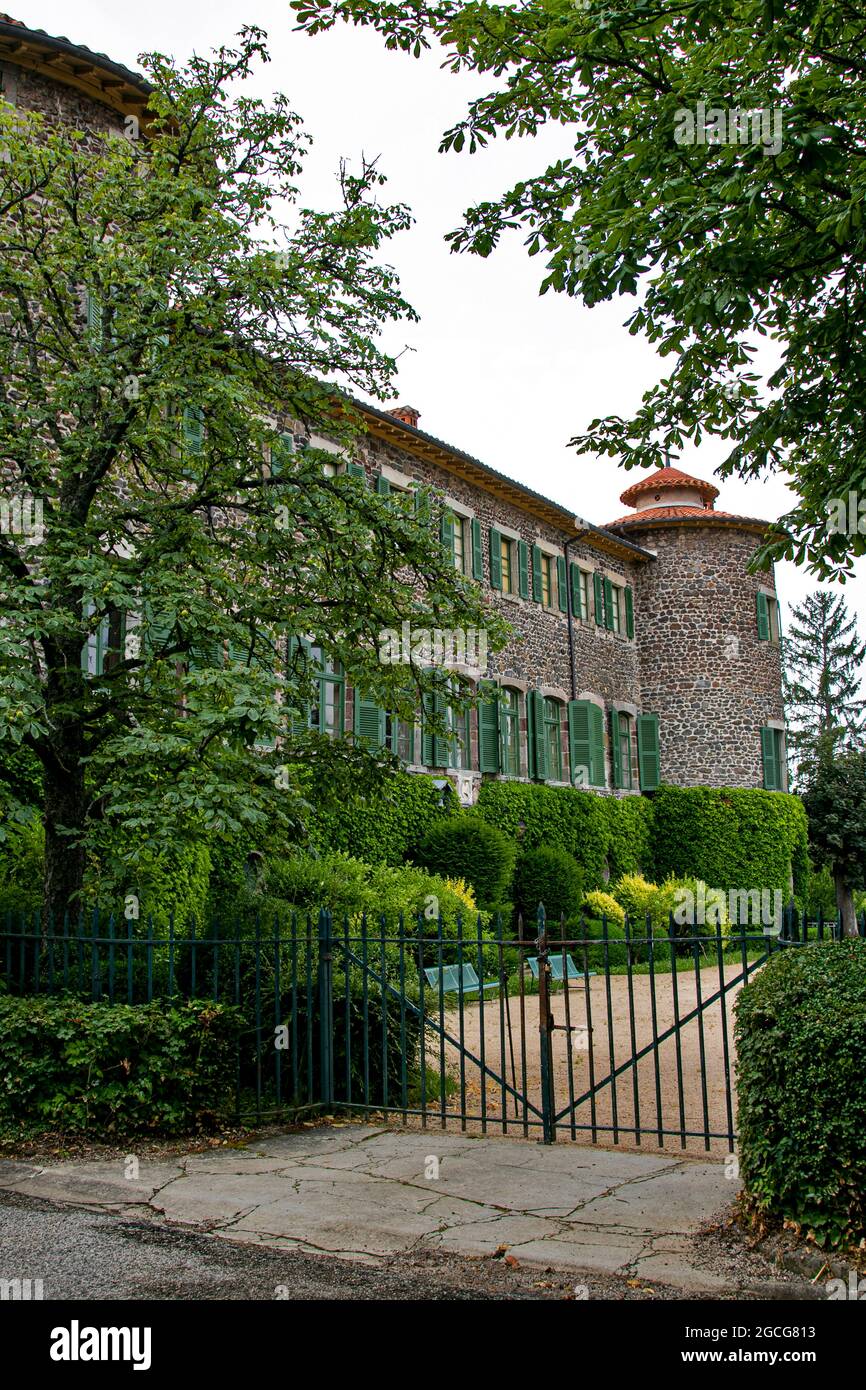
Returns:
(408,414)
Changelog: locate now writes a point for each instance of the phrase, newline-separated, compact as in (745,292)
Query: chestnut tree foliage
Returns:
(719,242)
(166,303)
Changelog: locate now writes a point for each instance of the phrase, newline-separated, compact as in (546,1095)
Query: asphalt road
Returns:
(82,1254)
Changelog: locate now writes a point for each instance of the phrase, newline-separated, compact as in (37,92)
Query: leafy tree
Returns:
(159,326)
(822,660)
(753,232)
(835,802)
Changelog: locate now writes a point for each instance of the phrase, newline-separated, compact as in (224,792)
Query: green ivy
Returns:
(731,838)
(384,828)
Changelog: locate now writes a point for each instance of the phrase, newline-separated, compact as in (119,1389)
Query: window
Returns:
(509,727)
(502,574)
(546,581)
(620,749)
(507,566)
(553,739)
(104,648)
(399,737)
(584,593)
(327,715)
(774,758)
(459,742)
(769,627)
(459,525)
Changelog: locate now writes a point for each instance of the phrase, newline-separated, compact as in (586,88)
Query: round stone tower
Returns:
(707,633)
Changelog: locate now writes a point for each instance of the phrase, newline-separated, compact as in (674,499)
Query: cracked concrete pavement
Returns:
(366,1194)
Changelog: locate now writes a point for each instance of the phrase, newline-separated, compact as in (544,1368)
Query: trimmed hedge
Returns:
(115,1068)
(731,838)
(467,847)
(801,1059)
(561,817)
(548,875)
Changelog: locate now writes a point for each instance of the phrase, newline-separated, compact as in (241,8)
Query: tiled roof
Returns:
(66,47)
(667,478)
(699,516)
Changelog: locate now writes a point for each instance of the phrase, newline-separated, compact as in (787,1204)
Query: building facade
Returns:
(642,651)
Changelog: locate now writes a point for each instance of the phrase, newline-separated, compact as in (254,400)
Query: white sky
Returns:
(494,368)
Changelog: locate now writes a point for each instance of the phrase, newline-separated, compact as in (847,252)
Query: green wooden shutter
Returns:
(576,597)
(608,605)
(369,721)
(446,533)
(561,581)
(355,470)
(770,754)
(296,645)
(579,744)
(193,428)
(598,598)
(596,745)
(477,557)
(629,611)
(281,452)
(93,309)
(427,749)
(537,590)
(383,485)
(434,747)
(615,753)
(442,748)
(763,618)
(488,728)
(495,558)
(523,569)
(537,740)
(422,505)
(648,751)
(156,629)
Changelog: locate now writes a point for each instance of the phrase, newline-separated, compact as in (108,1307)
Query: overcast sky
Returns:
(493,367)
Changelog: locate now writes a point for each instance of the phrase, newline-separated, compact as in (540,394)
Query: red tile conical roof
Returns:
(665,478)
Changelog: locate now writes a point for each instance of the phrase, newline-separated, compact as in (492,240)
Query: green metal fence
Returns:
(594,1033)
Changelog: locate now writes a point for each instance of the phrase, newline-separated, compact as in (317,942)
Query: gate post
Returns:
(326,1011)
(545,1032)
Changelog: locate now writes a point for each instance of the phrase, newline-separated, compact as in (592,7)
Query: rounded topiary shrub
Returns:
(801,1060)
(467,847)
(549,875)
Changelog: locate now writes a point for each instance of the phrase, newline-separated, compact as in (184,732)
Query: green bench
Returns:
(449,979)
(556,968)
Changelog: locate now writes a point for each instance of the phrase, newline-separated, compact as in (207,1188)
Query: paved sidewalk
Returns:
(365,1193)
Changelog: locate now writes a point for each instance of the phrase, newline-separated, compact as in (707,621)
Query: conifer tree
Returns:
(823,658)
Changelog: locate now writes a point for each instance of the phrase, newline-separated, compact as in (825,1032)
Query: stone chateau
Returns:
(643,650)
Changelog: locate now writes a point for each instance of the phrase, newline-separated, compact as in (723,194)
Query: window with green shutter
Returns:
(648,751)
(537,736)
(356,470)
(383,485)
(369,721)
(523,569)
(537,581)
(422,505)
(435,746)
(193,428)
(93,310)
(763,618)
(629,611)
(477,557)
(328,714)
(598,598)
(282,450)
(576,591)
(620,749)
(495,558)
(773,755)
(609,620)
(488,728)
(400,738)
(446,533)
(509,730)
(580,751)
(561,584)
(553,739)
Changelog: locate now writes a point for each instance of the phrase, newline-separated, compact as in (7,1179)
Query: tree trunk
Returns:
(845,904)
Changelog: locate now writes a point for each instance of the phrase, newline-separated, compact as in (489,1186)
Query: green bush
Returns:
(466,847)
(22,865)
(801,1059)
(115,1068)
(731,838)
(551,876)
(598,905)
(630,821)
